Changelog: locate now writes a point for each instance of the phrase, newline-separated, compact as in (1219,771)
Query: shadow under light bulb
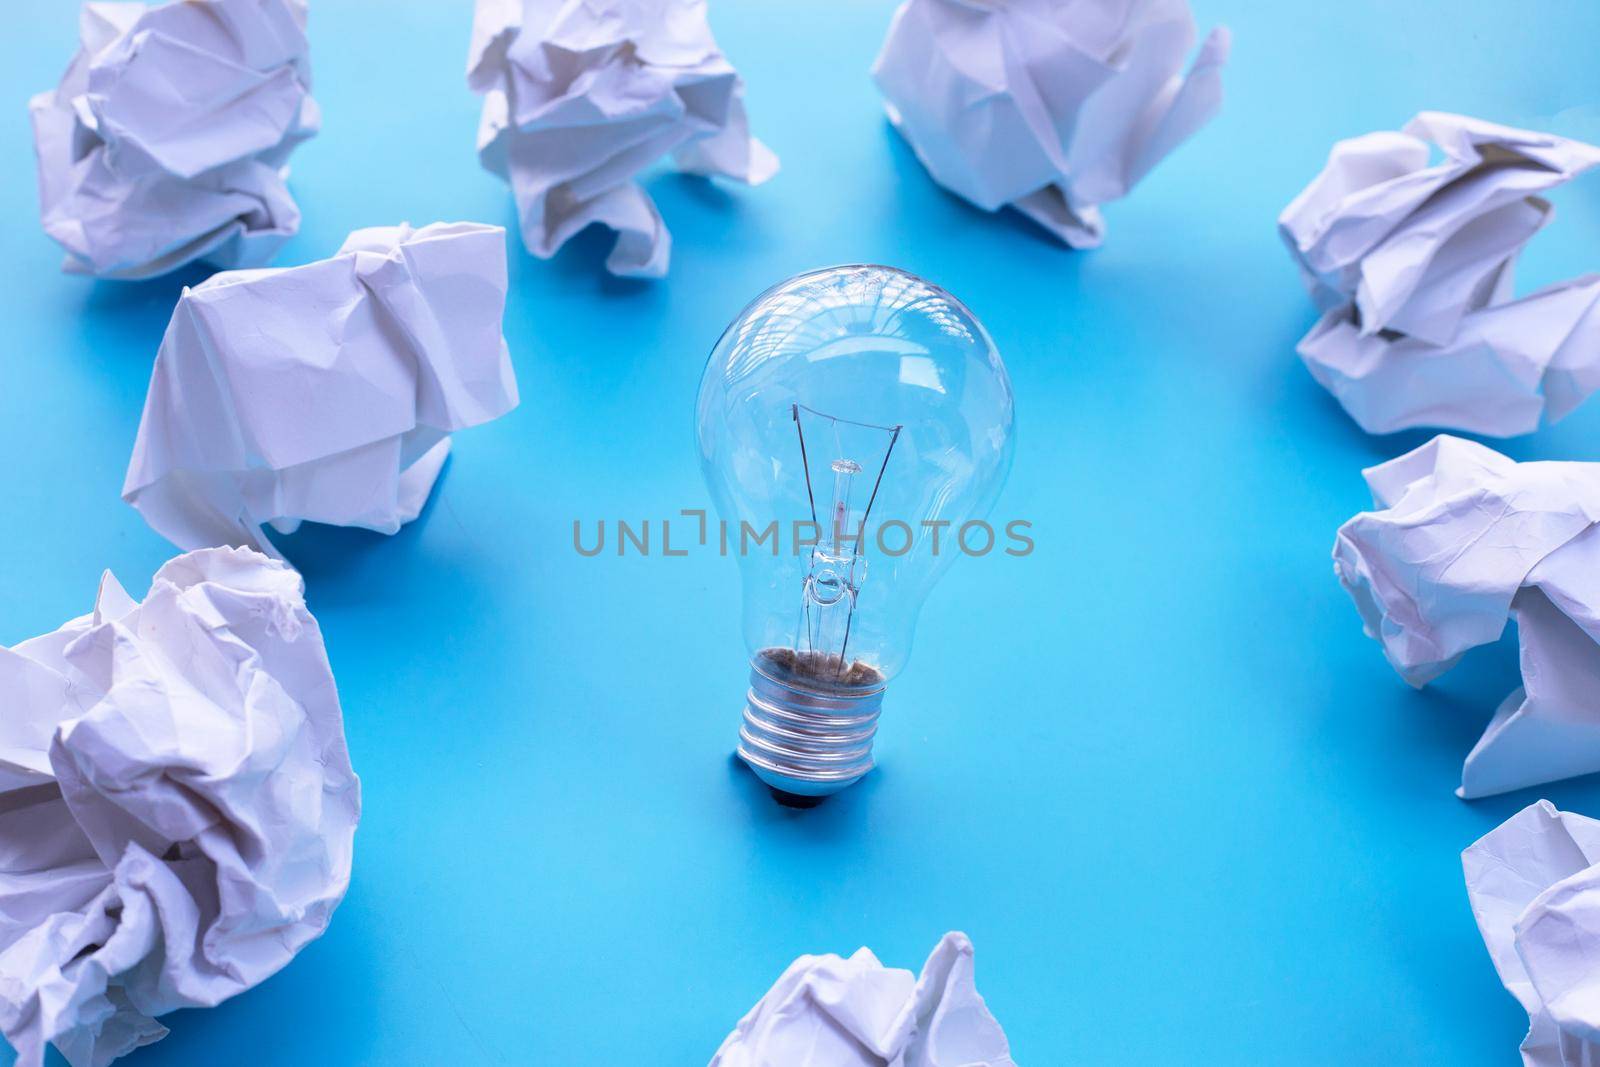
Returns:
(852,423)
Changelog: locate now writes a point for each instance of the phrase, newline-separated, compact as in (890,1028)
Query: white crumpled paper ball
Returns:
(580,96)
(1053,107)
(168,137)
(177,805)
(825,1011)
(1412,260)
(1534,884)
(1460,541)
(325,392)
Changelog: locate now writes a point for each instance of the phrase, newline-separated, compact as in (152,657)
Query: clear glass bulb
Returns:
(855,427)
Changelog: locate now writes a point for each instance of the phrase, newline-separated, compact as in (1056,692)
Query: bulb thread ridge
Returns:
(807,743)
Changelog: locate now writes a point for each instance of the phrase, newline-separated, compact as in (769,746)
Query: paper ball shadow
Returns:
(585,256)
(322,553)
(1453,710)
(691,205)
(1305,408)
(919,189)
(331,988)
(707,194)
(119,296)
(112,311)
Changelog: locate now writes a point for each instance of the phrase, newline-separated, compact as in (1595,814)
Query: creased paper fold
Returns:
(177,804)
(1461,540)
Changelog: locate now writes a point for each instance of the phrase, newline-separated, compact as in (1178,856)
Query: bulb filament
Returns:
(838,565)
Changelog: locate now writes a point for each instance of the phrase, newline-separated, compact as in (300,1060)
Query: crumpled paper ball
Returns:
(325,392)
(168,137)
(1534,884)
(580,96)
(825,1011)
(1462,540)
(1051,106)
(177,805)
(1412,262)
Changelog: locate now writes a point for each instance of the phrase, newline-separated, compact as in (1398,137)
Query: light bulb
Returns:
(855,428)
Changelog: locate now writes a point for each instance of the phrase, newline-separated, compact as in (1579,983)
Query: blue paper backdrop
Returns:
(1184,809)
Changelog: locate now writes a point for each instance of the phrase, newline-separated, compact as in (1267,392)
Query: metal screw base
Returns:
(804,743)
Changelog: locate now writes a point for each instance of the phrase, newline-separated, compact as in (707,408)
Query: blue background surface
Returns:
(1183,807)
